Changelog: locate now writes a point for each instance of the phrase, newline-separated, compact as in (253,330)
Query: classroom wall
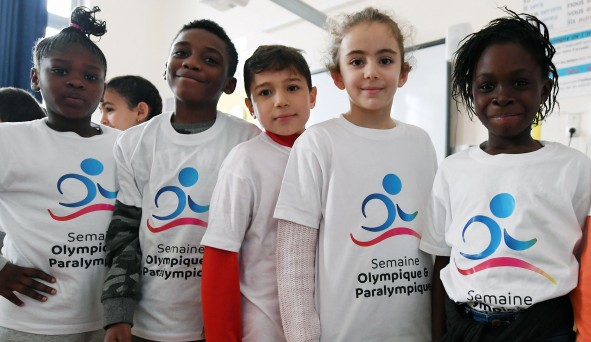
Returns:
(140,33)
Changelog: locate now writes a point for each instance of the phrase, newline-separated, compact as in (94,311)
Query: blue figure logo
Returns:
(90,167)
(187,178)
(392,185)
(501,206)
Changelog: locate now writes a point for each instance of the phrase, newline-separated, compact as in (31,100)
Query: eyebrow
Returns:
(207,48)
(97,68)
(291,79)
(106,103)
(360,52)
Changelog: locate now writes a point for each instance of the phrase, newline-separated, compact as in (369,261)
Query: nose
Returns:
(192,62)
(370,70)
(281,99)
(75,82)
(104,120)
(504,96)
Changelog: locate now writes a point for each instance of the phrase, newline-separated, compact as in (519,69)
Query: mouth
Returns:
(74,98)
(190,77)
(372,90)
(500,116)
(286,116)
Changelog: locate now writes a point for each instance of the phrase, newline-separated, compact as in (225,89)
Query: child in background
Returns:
(128,101)
(239,259)
(581,297)
(167,169)
(508,213)
(57,195)
(17,105)
(351,203)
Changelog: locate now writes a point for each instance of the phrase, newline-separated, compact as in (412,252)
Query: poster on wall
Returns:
(569,23)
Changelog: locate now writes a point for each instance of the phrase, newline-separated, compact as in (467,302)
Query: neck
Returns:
(82,127)
(376,119)
(283,140)
(184,113)
(496,145)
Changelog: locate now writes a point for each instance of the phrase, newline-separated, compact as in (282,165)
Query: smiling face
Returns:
(72,82)
(508,89)
(197,68)
(281,101)
(370,68)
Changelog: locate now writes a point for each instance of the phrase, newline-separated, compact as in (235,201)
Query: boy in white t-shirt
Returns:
(239,278)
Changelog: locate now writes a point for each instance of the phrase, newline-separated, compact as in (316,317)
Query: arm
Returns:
(220,293)
(19,279)
(581,295)
(121,289)
(296,258)
(438,299)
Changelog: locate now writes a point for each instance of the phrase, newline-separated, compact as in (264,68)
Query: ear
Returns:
(313,93)
(337,79)
(142,112)
(403,74)
(35,80)
(230,85)
(250,107)
(546,89)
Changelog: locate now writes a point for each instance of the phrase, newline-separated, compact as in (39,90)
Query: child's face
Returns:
(117,113)
(508,89)
(371,68)
(197,68)
(281,101)
(71,80)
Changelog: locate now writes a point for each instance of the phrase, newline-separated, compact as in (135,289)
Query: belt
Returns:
(496,319)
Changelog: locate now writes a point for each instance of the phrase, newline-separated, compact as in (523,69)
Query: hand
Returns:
(19,279)
(120,332)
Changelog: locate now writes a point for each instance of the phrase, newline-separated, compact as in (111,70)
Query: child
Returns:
(17,105)
(581,297)
(57,195)
(278,84)
(351,203)
(167,168)
(507,214)
(128,101)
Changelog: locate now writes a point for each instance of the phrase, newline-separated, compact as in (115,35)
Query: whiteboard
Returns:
(423,101)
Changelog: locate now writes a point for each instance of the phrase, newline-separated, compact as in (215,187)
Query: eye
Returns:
(91,77)
(386,60)
(180,53)
(211,60)
(522,83)
(264,92)
(356,62)
(486,87)
(293,87)
(59,71)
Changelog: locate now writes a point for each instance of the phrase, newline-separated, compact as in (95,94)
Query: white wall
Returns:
(140,32)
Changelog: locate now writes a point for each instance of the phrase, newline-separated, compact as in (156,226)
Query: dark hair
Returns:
(83,25)
(523,29)
(136,89)
(18,105)
(339,28)
(275,57)
(214,28)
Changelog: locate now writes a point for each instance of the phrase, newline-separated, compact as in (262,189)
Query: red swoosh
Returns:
(178,222)
(390,233)
(504,262)
(89,209)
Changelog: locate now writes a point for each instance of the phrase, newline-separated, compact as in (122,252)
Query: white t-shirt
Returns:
(241,220)
(57,196)
(510,224)
(171,177)
(372,283)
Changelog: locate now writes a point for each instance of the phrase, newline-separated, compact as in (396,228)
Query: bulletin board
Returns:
(423,101)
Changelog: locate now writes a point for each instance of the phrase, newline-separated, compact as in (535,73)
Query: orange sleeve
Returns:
(581,296)
(220,295)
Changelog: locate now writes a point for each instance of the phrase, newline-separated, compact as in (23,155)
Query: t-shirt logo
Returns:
(501,206)
(90,167)
(187,178)
(392,185)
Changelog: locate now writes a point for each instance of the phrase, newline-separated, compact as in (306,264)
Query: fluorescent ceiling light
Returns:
(304,10)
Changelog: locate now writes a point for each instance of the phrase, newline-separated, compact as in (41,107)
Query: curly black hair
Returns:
(83,25)
(523,29)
